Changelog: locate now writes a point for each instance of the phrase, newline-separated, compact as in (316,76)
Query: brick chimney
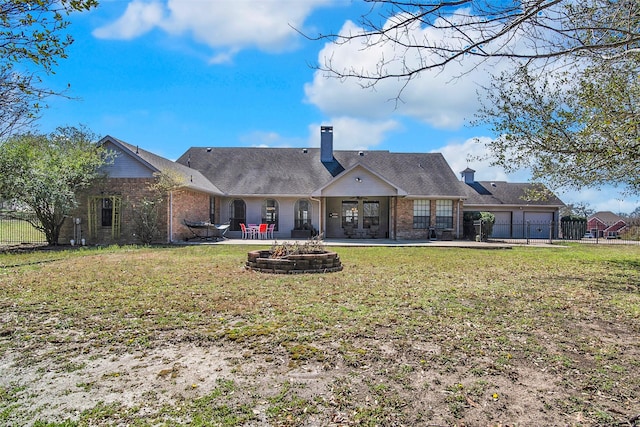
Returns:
(326,144)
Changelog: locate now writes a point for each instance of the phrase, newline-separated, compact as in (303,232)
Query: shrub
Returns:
(488,220)
(282,250)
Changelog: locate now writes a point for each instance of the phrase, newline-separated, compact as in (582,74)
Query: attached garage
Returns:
(517,214)
(502,228)
(539,224)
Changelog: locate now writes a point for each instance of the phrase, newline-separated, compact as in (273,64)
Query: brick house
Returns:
(340,193)
(107,212)
(606,224)
(301,191)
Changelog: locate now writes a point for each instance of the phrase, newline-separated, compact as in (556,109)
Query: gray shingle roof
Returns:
(493,193)
(297,171)
(190,177)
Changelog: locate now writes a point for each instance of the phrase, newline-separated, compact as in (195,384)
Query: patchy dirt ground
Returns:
(359,381)
(153,339)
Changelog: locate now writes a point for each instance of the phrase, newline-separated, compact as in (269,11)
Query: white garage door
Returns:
(502,226)
(539,224)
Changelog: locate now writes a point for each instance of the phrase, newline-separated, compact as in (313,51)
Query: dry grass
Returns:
(402,336)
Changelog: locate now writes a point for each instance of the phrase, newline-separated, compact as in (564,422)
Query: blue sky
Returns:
(170,74)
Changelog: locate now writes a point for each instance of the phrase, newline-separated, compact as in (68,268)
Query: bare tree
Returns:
(567,106)
(478,30)
(32,40)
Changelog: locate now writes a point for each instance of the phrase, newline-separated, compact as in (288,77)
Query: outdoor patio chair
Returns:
(270,231)
(262,231)
(247,232)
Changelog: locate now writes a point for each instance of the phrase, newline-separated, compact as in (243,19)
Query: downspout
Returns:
(458,220)
(394,222)
(170,236)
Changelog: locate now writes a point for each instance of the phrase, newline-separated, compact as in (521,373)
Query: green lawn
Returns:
(402,336)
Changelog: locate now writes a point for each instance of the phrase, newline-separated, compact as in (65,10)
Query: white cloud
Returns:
(138,18)
(472,153)
(270,139)
(461,155)
(444,99)
(225,26)
(603,199)
(354,134)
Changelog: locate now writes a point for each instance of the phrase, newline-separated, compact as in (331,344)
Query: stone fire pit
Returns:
(323,262)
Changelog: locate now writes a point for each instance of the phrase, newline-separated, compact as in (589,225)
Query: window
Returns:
(104,211)
(270,212)
(302,214)
(106,214)
(370,214)
(444,213)
(349,214)
(421,213)
(212,209)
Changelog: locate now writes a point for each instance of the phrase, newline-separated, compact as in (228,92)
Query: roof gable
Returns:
(606,217)
(138,163)
(126,164)
(358,181)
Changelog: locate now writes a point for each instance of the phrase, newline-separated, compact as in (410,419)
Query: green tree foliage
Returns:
(45,172)
(32,39)
(573,128)
(481,222)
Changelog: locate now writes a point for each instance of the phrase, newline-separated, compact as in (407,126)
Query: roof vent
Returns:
(493,184)
(208,149)
(360,153)
(305,151)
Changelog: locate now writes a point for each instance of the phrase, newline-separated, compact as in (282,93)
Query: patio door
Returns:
(361,218)
(238,214)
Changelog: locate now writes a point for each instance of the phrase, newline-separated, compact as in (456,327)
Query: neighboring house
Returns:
(302,191)
(606,224)
(109,211)
(518,212)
